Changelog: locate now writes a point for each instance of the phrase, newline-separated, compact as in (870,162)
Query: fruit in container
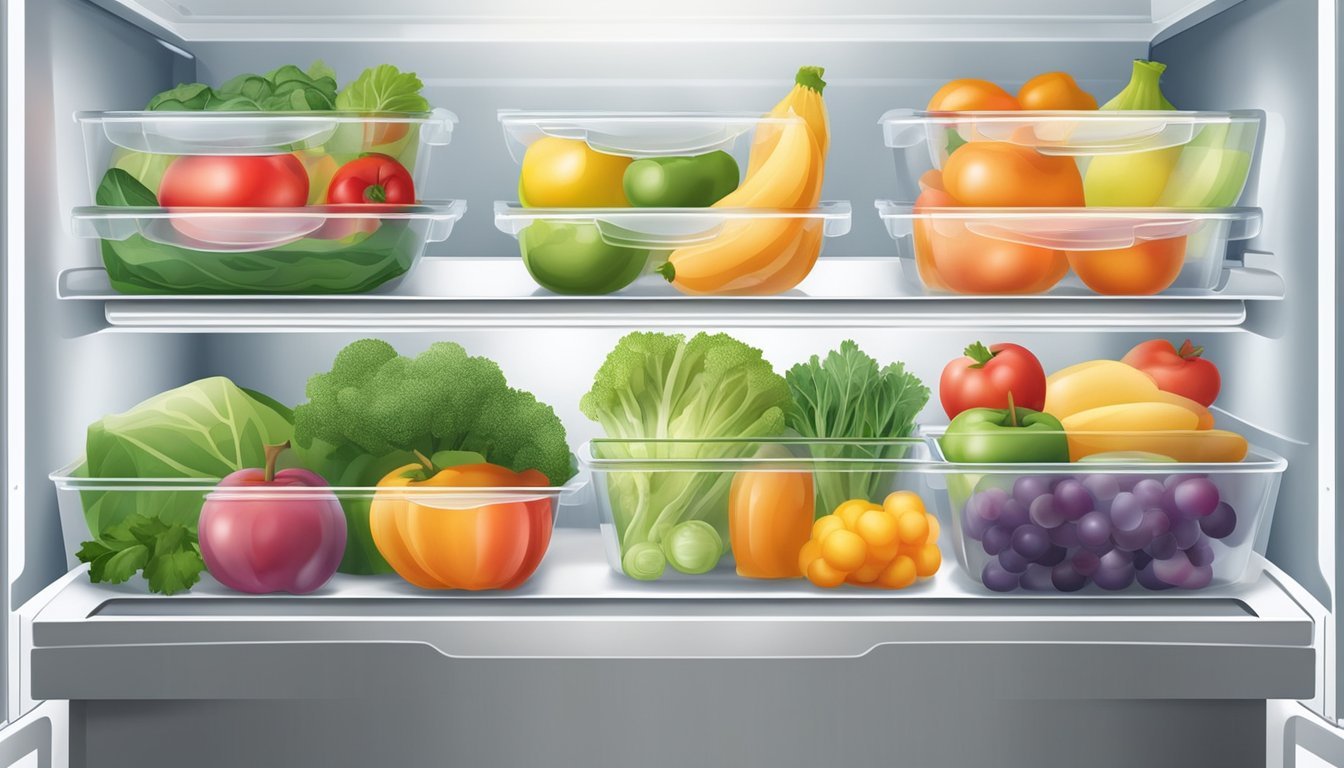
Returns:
(371,179)
(234,181)
(764,256)
(454,540)
(1132,417)
(1099,383)
(680,182)
(969,263)
(985,377)
(1004,436)
(888,546)
(572,258)
(770,516)
(567,173)
(1210,172)
(1199,446)
(290,540)
(1182,371)
(1054,91)
(1143,269)
(1133,179)
(993,174)
(1110,529)
(972,95)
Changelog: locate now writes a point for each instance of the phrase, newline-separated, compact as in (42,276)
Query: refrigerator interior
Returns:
(68,362)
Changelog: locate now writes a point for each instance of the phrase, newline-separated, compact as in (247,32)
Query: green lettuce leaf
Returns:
(383,89)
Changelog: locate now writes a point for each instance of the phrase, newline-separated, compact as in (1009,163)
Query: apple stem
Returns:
(423,459)
(1012,410)
(272,454)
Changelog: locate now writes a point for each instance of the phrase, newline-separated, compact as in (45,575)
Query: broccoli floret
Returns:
(656,386)
(374,407)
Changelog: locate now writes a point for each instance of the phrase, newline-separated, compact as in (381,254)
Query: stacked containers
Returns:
(280,231)
(713,203)
(1118,201)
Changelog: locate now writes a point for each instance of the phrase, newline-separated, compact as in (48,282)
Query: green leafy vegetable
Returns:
(847,396)
(366,416)
(286,89)
(657,386)
(352,264)
(383,89)
(206,430)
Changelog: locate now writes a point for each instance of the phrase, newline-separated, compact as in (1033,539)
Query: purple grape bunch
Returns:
(1061,533)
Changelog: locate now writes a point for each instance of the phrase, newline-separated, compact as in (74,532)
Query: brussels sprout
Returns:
(693,546)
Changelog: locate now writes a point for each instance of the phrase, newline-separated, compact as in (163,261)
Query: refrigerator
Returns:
(581,664)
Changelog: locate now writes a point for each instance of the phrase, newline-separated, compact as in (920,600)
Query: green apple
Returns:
(1005,436)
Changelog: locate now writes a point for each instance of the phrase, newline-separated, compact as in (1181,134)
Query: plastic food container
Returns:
(1107,251)
(437,538)
(144,144)
(309,250)
(657,499)
(1124,524)
(593,251)
(1126,159)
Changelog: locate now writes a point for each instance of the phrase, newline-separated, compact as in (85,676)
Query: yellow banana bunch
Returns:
(1107,405)
(787,164)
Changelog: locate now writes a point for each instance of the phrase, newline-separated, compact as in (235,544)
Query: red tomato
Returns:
(1179,371)
(1145,268)
(372,180)
(234,181)
(985,377)
(1000,175)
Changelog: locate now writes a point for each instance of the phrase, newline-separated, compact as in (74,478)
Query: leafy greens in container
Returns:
(848,396)
(653,387)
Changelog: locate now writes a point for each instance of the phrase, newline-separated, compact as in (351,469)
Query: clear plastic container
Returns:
(309,250)
(639,134)
(1117,522)
(437,538)
(1170,159)
(1108,251)
(594,251)
(144,144)
(649,490)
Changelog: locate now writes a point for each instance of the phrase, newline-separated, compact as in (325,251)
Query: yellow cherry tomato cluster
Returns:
(890,545)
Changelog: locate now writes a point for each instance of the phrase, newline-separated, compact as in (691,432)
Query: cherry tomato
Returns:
(1000,175)
(1179,371)
(372,179)
(985,376)
(1147,267)
(1054,91)
(234,181)
(970,95)
(969,263)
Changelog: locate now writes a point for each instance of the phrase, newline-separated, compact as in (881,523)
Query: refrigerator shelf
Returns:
(497,292)
(1248,640)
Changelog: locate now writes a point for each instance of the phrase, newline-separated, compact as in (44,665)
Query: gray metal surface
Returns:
(672,715)
(95,642)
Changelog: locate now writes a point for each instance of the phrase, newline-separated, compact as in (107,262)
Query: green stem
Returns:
(375,193)
(272,455)
(810,77)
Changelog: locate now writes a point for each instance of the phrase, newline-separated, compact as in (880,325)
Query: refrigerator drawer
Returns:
(373,636)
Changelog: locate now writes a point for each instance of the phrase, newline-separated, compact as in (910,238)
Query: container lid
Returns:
(1072,229)
(262,133)
(1074,132)
(252,229)
(634,134)
(664,228)
(762,454)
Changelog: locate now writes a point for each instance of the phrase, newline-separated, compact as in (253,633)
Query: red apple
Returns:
(290,540)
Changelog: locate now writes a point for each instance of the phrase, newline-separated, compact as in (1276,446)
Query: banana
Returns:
(787,165)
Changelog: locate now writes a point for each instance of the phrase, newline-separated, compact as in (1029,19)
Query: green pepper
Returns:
(680,182)
(572,258)
(1005,436)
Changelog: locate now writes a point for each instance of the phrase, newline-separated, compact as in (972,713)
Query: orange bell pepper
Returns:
(435,545)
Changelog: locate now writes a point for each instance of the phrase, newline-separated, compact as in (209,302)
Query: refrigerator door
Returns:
(1298,738)
(39,739)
